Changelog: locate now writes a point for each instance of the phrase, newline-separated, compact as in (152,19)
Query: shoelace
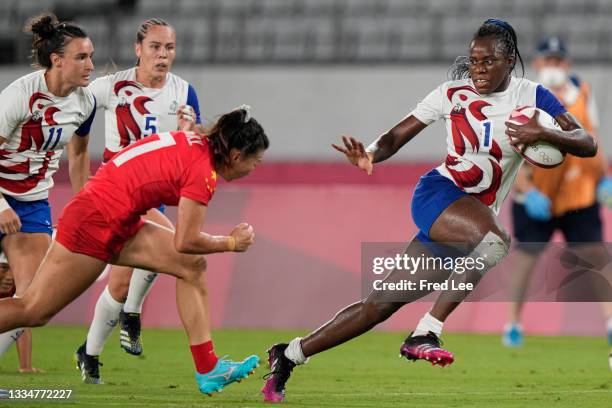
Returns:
(283,375)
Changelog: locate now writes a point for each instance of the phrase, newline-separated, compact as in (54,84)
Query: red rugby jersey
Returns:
(158,169)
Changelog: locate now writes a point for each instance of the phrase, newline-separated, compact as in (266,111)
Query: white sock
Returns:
(294,351)
(428,323)
(140,285)
(8,338)
(105,319)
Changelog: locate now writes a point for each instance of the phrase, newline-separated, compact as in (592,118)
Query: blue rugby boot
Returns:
(225,373)
(513,335)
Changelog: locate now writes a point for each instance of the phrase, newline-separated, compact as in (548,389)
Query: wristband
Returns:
(4,205)
(231,243)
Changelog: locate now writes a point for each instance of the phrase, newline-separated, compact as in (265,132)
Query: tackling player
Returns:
(103,224)
(138,102)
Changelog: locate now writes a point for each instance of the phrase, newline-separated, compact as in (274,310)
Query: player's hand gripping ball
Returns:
(539,153)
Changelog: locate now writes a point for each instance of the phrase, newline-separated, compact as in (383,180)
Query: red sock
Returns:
(204,356)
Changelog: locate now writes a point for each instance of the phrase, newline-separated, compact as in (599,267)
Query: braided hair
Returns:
(236,130)
(499,30)
(50,36)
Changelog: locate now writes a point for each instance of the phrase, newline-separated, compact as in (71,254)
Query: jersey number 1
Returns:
(487,134)
(165,140)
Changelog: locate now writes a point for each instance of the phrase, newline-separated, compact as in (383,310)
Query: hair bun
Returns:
(247,112)
(44,26)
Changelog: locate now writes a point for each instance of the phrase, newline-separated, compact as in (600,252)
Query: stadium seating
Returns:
(319,31)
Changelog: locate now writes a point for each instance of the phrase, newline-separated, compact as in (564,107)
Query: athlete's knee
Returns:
(34,315)
(194,268)
(118,289)
(492,247)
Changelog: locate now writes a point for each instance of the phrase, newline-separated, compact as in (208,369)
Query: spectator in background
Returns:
(564,198)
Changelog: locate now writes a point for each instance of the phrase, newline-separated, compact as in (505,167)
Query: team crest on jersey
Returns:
(173,108)
(41,107)
(32,136)
(126,123)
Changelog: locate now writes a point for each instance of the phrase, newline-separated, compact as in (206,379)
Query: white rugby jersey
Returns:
(133,111)
(480,159)
(37,125)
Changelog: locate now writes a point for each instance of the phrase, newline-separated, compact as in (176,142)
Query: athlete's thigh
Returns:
(25,251)
(61,278)
(120,276)
(158,217)
(420,261)
(466,220)
(152,248)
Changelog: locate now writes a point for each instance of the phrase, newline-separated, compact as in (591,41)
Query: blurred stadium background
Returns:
(313,70)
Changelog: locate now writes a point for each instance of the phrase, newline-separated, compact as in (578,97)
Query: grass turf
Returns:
(366,372)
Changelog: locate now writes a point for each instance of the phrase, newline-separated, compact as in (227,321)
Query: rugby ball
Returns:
(539,154)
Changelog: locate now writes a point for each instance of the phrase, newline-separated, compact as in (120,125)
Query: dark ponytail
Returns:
(236,130)
(492,28)
(50,36)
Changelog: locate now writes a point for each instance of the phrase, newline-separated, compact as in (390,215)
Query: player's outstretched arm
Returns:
(390,142)
(189,239)
(383,147)
(572,138)
(78,161)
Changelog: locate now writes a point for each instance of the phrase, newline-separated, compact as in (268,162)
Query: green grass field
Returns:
(548,371)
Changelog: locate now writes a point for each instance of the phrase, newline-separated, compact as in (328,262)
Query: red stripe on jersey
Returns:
(468,178)
(487,197)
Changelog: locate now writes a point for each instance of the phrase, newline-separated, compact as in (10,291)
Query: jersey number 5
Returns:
(165,140)
(150,125)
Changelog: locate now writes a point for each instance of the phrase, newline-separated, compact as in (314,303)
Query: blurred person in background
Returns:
(137,102)
(565,198)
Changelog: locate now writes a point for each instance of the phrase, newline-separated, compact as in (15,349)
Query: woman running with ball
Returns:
(458,201)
